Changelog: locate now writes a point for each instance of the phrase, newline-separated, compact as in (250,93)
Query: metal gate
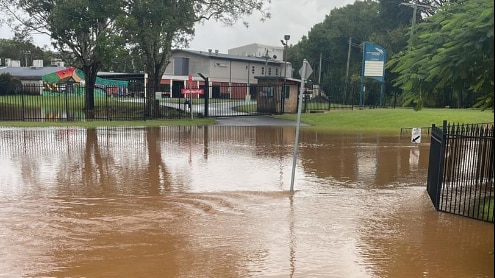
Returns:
(460,170)
(66,103)
(234,100)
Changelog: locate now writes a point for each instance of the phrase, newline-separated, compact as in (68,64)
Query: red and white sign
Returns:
(190,81)
(192,91)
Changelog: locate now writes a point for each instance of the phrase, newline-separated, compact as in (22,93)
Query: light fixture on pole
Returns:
(285,44)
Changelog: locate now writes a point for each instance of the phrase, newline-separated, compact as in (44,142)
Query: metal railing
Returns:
(113,103)
(460,171)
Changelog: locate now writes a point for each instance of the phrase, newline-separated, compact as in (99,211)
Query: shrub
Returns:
(9,85)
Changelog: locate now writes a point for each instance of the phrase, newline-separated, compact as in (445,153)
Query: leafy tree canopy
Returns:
(24,50)
(452,48)
(152,28)
(94,32)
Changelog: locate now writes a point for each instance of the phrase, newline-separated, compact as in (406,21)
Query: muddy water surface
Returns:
(214,202)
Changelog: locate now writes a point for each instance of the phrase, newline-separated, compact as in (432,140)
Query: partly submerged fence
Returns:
(66,101)
(460,171)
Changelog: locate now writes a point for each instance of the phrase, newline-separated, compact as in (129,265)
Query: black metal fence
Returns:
(460,171)
(313,103)
(66,102)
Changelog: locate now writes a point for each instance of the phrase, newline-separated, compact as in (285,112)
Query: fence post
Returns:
(22,106)
(144,105)
(441,162)
(106,103)
(207,96)
(431,186)
(66,103)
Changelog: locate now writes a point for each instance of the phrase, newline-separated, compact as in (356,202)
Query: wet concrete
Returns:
(255,121)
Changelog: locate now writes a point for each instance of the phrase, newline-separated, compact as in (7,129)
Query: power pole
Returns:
(347,69)
(26,53)
(319,71)
(415,13)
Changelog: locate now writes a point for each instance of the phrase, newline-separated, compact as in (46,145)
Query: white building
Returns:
(227,73)
(258,50)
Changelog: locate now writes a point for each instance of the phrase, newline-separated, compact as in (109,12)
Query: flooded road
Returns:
(214,201)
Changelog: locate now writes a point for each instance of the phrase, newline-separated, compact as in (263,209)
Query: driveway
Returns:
(254,121)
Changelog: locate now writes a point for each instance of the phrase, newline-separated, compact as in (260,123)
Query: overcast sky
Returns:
(289,17)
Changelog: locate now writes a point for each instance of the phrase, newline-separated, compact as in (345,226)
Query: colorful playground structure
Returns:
(71,81)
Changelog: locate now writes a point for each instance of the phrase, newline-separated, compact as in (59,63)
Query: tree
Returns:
(81,29)
(21,48)
(86,30)
(9,85)
(357,23)
(154,27)
(451,49)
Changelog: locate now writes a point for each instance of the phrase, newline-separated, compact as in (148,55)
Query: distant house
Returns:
(29,75)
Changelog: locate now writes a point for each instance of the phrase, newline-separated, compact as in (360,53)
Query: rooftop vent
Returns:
(12,63)
(37,63)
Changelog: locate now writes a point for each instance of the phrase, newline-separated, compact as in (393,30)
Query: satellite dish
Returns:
(274,56)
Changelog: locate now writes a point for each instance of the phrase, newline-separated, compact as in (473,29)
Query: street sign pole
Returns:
(191,93)
(189,81)
(305,72)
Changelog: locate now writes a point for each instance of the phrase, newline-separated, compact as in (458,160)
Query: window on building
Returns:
(269,71)
(267,92)
(252,69)
(286,89)
(262,70)
(276,72)
(164,88)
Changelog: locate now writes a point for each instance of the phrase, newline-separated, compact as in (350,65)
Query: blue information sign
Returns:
(374,59)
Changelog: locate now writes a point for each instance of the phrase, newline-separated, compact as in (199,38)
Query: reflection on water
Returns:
(213,201)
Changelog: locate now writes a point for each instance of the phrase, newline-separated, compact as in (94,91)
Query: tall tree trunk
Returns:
(153,86)
(150,97)
(90,73)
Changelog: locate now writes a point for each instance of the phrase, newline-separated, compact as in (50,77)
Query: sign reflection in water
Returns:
(214,202)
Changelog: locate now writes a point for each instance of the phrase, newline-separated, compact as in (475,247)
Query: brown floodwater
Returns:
(214,202)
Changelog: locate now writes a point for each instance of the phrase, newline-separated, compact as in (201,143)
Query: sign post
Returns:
(189,86)
(305,72)
(191,93)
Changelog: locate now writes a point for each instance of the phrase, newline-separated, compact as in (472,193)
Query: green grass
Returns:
(372,120)
(390,120)
(55,101)
(487,211)
(93,124)
(77,101)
